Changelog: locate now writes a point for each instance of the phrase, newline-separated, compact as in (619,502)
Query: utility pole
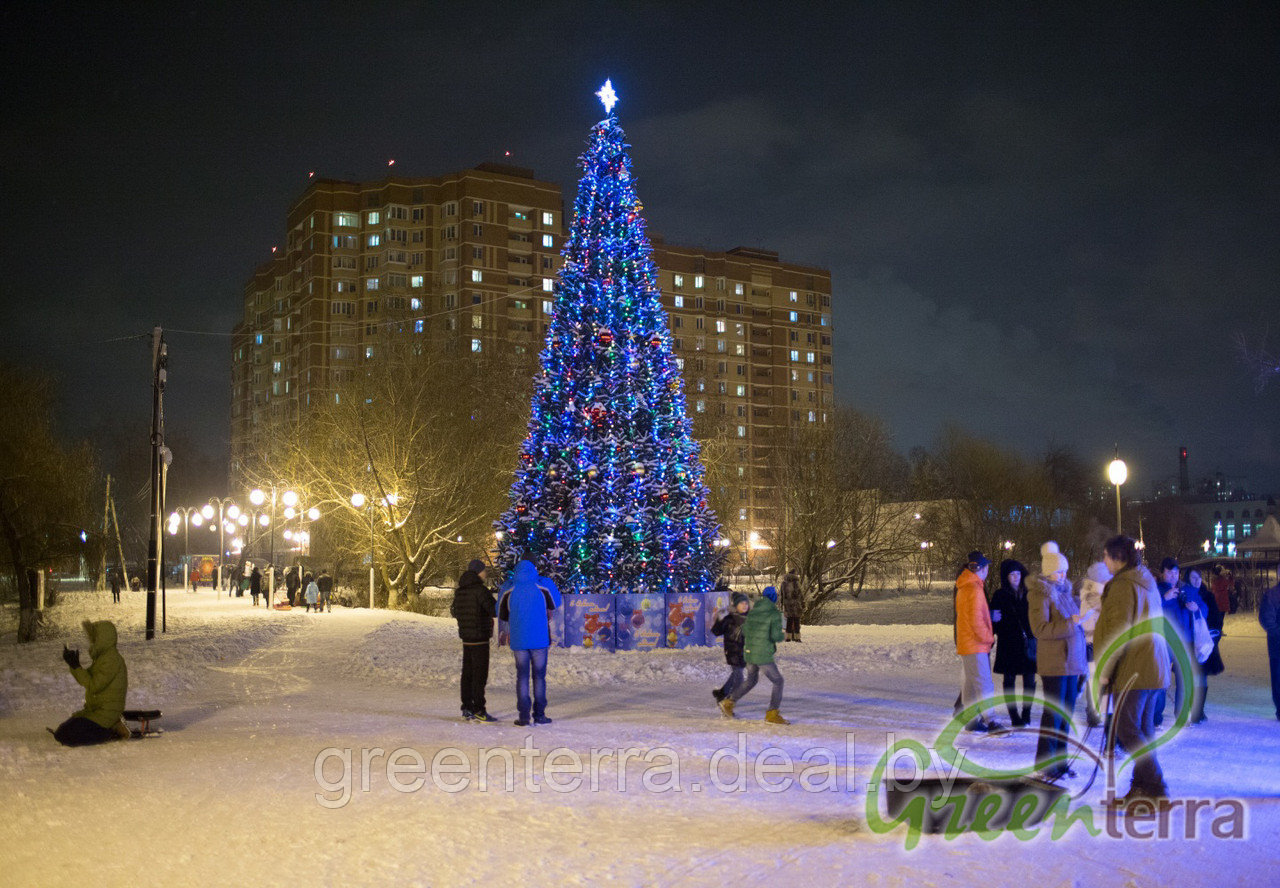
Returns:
(159,371)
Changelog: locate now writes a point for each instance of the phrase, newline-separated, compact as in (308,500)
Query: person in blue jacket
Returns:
(527,602)
(1269,618)
(1181,604)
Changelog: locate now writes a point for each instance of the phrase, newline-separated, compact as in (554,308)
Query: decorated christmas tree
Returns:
(609,493)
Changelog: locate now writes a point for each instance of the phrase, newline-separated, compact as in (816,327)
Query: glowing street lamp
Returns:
(1117,474)
(360,501)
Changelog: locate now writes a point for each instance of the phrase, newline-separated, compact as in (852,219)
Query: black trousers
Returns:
(78,731)
(475,675)
(793,625)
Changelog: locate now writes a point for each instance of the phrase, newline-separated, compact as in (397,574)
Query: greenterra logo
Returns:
(986,809)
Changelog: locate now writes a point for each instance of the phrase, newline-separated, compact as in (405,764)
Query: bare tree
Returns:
(44,489)
(838,509)
(1262,363)
(430,440)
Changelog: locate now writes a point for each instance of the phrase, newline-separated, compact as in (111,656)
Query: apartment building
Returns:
(468,261)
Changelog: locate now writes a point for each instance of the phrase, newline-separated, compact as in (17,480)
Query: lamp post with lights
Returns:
(1117,474)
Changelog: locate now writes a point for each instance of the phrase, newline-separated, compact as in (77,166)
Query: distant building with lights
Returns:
(466,262)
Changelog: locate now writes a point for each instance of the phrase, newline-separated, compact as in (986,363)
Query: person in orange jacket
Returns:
(974,638)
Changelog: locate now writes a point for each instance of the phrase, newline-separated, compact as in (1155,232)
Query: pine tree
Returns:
(609,493)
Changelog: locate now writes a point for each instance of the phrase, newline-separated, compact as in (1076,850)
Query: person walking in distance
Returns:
(792,601)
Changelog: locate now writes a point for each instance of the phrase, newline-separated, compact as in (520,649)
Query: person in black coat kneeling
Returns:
(474,609)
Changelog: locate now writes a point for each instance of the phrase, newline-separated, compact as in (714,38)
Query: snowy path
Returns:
(229,794)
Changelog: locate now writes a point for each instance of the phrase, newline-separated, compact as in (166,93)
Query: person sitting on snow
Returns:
(105,683)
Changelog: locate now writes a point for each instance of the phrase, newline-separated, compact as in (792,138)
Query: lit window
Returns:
(257,340)
(739,349)
(548,219)
(371,283)
(701,406)
(679,301)
(719,326)
(548,240)
(476,275)
(275,366)
(795,355)
(794,296)
(677,280)
(740,391)
(679,362)
(720,345)
(373,217)
(368,351)
(742,431)
(548,285)
(417,326)
(346,220)
(698,281)
(373,240)
(812,416)
(475,345)
(477,322)
(416,281)
(737,289)
(808,356)
(826,320)
(546,306)
(795,316)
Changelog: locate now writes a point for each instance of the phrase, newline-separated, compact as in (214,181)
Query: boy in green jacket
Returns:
(105,682)
(761,633)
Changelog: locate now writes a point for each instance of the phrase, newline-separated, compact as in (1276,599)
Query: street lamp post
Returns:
(184,514)
(226,506)
(1117,473)
(360,501)
(258,498)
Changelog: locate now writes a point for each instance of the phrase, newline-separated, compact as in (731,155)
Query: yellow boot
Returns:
(773,717)
(726,706)
(122,730)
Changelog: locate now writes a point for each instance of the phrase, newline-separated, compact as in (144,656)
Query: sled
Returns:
(143,718)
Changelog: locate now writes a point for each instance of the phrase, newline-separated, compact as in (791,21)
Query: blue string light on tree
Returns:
(609,493)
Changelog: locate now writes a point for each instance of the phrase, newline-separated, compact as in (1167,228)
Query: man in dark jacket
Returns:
(115,585)
(292,580)
(324,583)
(1269,617)
(1181,604)
(473,607)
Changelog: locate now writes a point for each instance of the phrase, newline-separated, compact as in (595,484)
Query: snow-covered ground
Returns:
(257,703)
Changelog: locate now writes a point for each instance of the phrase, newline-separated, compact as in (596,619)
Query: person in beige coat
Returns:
(1135,670)
(1060,656)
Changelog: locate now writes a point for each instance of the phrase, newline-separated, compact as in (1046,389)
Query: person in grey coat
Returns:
(1060,656)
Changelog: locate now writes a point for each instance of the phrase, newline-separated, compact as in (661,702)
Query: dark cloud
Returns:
(1045,224)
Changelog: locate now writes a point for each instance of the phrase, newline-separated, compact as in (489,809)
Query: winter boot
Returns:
(1026,715)
(122,729)
(1013,716)
(726,706)
(796,637)
(788,637)
(521,722)
(773,717)
(718,693)
(541,720)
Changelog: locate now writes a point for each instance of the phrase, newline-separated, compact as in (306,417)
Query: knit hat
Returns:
(771,594)
(739,597)
(1098,573)
(475,565)
(1051,560)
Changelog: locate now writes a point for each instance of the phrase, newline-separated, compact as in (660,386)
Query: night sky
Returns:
(1045,225)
